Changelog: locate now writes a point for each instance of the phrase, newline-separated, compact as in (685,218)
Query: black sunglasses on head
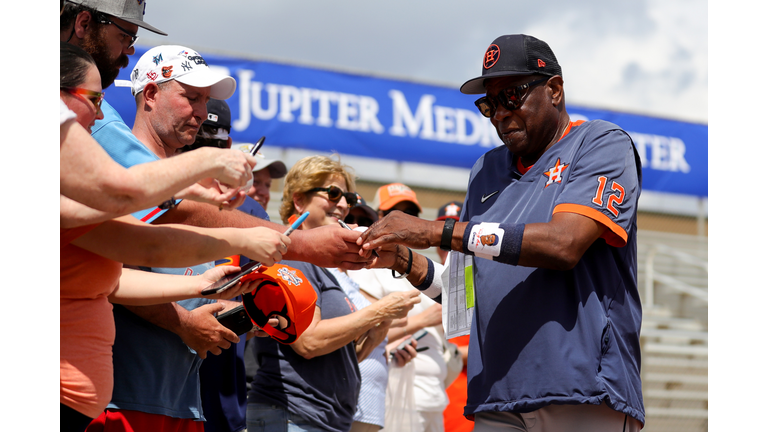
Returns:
(335,193)
(510,98)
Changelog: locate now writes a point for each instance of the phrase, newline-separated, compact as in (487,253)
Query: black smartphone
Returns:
(236,320)
(231,279)
(418,335)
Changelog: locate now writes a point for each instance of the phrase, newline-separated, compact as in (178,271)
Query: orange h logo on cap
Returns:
(541,63)
(492,55)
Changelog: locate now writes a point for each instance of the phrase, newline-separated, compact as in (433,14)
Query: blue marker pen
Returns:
(296,224)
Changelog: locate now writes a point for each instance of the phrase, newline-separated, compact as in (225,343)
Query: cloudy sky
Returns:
(641,56)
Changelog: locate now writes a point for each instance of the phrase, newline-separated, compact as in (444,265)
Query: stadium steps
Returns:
(674,338)
(674,374)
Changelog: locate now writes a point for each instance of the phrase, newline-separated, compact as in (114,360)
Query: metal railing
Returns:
(652,276)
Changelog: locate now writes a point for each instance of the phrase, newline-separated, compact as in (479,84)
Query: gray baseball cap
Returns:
(127,10)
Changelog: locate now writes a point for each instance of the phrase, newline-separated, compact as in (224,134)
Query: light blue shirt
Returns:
(155,372)
(374,371)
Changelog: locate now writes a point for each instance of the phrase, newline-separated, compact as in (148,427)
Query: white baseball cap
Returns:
(173,62)
(277,168)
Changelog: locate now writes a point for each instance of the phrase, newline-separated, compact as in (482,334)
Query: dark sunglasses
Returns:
(335,193)
(103,19)
(358,220)
(93,96)
(510,98)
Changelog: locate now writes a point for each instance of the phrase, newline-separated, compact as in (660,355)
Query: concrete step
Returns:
(662,319)
(691,350)
(675,362)
(686,413)
(674,378)
(692,395)
(672,334)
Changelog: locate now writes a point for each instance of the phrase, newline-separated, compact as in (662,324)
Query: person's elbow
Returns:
(306,348)
(127,195)
(567,254)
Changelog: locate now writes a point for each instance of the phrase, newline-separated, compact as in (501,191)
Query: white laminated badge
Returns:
(458,294)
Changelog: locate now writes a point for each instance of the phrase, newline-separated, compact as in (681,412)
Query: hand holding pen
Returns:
(248,185)
(345,226)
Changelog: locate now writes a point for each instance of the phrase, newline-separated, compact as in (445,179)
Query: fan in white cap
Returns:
(187,66)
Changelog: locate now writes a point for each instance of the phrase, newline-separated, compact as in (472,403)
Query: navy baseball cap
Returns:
(451,210)
(219,116)
(510,55)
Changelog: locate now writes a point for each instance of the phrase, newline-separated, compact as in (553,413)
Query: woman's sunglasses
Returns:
(510,98)
(93,96)
(335,193)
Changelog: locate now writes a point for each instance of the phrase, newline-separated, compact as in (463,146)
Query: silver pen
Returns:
(345,226)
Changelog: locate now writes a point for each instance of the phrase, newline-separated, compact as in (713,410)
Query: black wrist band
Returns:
(445,240)
(407,269)
(167,205)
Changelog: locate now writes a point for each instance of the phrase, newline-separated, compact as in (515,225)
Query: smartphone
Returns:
(229,280)
(236,319)
(418,335)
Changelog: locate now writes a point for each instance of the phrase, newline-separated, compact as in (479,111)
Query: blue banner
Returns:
(321,110)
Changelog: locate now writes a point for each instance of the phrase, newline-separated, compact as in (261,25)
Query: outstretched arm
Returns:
(141,288)
(74,214)
(557,244)
(90,176)
(328,246)
(129,241)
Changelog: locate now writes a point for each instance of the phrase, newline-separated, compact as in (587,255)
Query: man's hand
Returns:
(235,168)
(265,245)
(201,331)
(328,246)
(398,227)
(210,191)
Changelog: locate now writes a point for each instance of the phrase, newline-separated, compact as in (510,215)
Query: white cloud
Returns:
(645,56)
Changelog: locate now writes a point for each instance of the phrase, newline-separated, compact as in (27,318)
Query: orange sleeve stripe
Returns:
(614,235)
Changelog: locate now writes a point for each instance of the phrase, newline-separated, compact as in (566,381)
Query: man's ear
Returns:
(229,142)
(82,21)
(555,85)
(150,93)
